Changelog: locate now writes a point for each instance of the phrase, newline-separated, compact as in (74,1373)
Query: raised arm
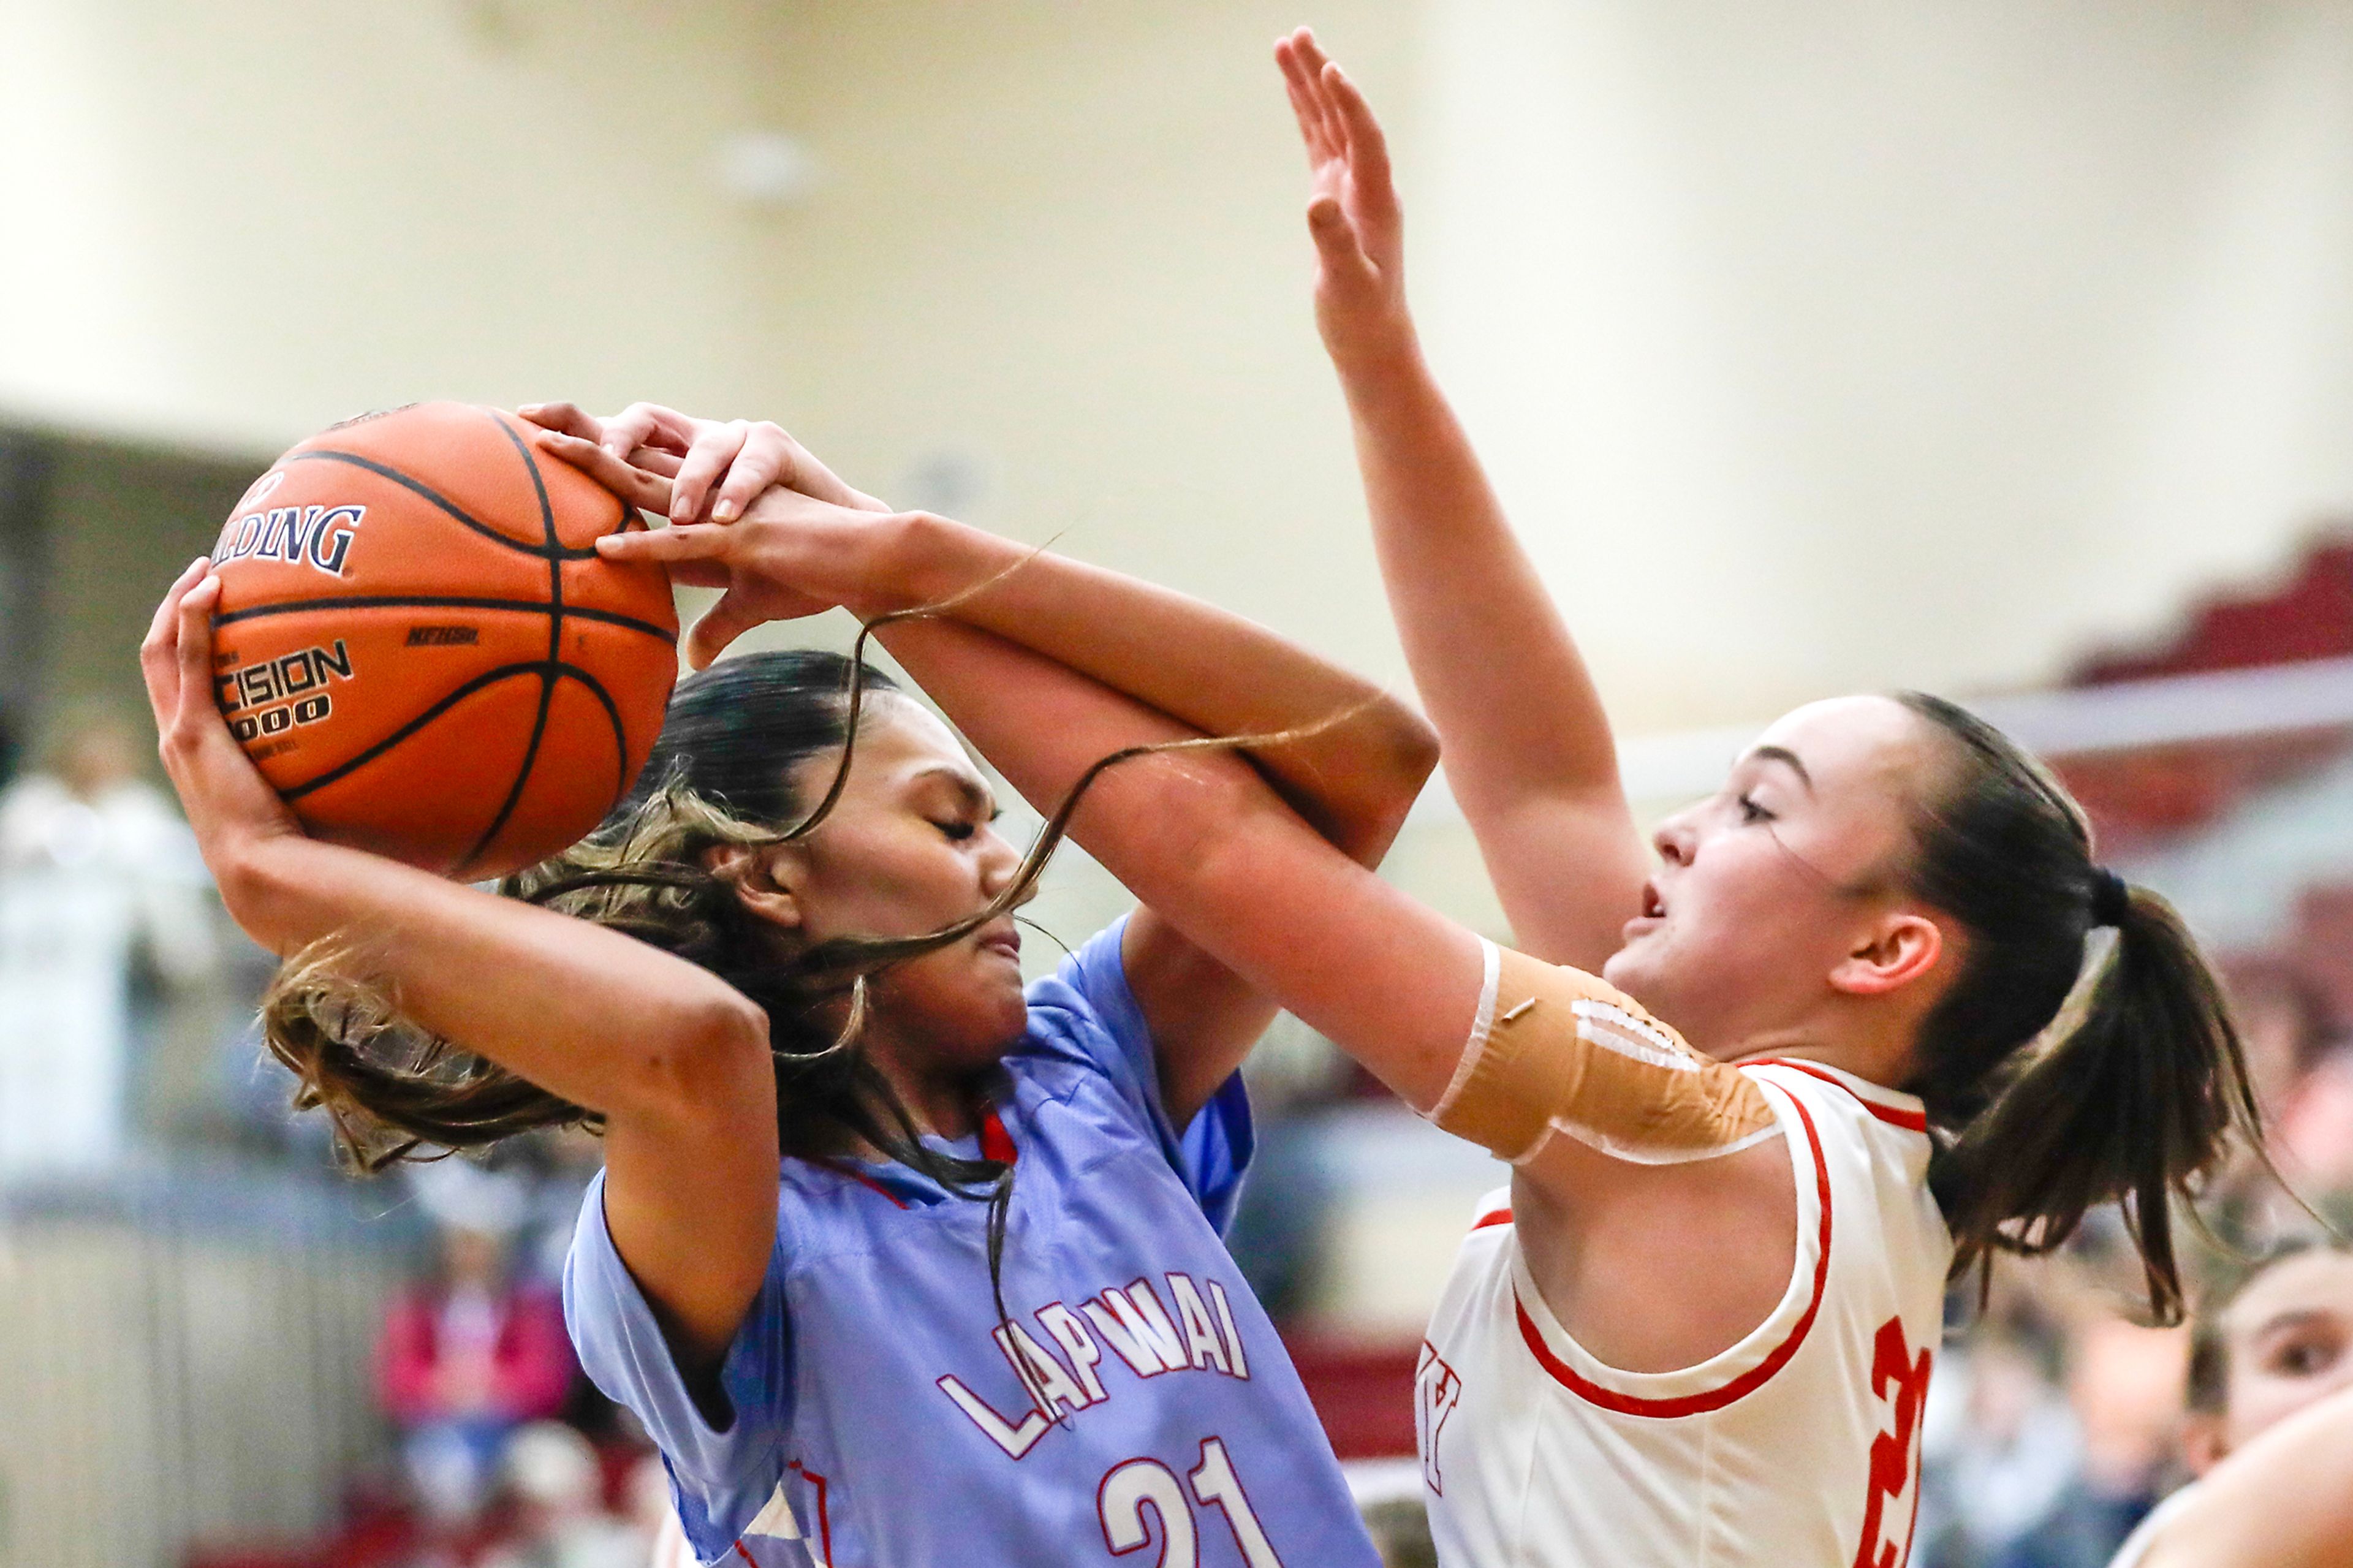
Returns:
(1528,749)
(675,1059)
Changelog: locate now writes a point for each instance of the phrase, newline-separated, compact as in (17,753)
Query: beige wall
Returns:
(1822,347)
(1815,349)
(233,222)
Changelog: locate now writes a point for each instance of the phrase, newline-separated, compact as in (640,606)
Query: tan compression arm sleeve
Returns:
(1559,1050)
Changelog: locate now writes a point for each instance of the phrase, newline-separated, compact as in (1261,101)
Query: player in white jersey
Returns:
(1699,1327)
(1704,1335)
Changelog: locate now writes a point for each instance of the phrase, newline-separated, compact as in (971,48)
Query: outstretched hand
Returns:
(796,541)
(1353,213)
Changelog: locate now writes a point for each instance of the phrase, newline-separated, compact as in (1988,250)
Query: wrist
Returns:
(899,570)
(255,870)
(1376,357)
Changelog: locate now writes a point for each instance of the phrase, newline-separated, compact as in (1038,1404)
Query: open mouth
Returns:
(1654,906)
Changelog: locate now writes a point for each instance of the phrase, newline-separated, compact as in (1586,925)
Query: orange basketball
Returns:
(419,647)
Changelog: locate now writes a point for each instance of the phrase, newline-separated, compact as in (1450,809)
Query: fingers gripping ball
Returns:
(420,648)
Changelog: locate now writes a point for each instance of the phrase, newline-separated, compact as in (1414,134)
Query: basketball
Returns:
(419,645)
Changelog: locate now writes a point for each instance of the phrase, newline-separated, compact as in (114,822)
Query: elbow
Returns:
(1401,755)
(1412,744)
(706,1060)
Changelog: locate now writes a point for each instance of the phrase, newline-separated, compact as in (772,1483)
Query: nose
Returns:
(1000,862)
(1677,837)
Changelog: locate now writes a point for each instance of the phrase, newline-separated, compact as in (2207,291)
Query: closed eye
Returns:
(1752,812)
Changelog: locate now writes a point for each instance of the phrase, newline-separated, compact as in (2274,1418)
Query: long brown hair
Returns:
(2049,1099)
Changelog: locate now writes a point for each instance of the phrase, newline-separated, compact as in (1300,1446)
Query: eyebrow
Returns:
(974,793)
(2293,1318)
(1788,758)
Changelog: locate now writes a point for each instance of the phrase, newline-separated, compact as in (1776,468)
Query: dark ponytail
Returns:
(2049,1098)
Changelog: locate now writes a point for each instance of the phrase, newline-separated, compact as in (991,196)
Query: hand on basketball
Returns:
(229,806)
(716,467)
(1353,213)
(790,554)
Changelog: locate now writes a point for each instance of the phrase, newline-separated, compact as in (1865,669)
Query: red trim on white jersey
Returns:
(1500,1216)
(1904,1116)
(1748,1382)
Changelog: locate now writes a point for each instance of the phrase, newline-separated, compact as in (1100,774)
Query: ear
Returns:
(1896,950)
(765,876)
(2204,1441)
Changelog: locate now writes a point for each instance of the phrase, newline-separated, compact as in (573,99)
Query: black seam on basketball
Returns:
(440,602)
(539,552)
(555,543)
(547,676)
(620,731)
(353,764)
(523,769)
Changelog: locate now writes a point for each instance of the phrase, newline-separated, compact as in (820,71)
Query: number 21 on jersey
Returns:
(1132,1487)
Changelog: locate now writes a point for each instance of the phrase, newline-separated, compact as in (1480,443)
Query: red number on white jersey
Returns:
(1901,1379)
(1436,1391)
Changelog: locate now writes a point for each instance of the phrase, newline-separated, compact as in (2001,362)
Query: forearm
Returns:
(1212,850)
(2282,1501)
(1218,673)
(596,1017)
(1462,589)
(1529,754)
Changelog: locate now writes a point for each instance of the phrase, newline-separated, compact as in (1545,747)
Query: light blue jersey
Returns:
(878,1420)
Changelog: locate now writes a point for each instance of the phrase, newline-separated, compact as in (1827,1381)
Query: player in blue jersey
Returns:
(898,1265)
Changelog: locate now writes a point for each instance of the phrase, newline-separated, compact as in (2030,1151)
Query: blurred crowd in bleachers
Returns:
(128,1066)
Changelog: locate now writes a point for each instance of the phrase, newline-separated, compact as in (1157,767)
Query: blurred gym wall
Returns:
(1816,346)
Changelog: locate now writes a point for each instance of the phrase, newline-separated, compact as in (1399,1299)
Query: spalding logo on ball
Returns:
(421,649)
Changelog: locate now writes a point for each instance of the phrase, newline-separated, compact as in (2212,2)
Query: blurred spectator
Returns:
(2284,1026)
(1277,1235)
(1999,1452)
(1388,1496)
(97,873)
(2275,1342)
(560,1520)
(2125,1383)
(465,1359)
(2302,1072)
(2311,1132)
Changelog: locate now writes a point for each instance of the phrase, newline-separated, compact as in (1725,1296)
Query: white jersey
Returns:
(1800,1444)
